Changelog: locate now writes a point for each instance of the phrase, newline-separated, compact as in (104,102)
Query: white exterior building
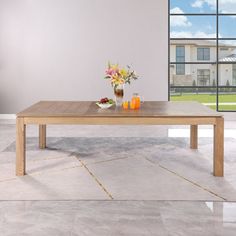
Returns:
(201,74)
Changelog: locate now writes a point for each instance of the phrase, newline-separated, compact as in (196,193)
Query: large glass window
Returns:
(180,57)
(234,75)
(202,52)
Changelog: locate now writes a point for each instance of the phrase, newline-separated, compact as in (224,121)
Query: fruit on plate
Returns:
(106,101)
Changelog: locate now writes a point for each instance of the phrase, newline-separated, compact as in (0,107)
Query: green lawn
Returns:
(204,98)
(224,108)
(208,98)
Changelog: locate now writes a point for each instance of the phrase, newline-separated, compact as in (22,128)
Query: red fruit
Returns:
(104,100)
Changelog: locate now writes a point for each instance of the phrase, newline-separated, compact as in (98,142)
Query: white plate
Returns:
(104,105)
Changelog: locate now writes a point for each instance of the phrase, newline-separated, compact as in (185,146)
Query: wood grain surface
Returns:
(90,109)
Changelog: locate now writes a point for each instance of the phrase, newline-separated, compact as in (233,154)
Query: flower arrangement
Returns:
(119,76)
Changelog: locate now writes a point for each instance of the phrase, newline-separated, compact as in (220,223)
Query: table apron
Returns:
(122,120)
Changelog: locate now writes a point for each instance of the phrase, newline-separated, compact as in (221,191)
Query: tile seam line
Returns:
(100,162)
(190,181)
(94,177)
(109,200)
(39,173)
(43,159)
(58,170)
(46,159)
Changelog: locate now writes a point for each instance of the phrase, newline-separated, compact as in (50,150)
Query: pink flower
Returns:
(110,72)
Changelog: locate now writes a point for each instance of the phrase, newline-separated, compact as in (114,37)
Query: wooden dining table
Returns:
(193,114)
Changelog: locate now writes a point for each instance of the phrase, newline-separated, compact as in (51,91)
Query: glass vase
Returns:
(119,94)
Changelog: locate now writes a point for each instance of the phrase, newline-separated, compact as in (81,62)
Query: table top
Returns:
(90,109)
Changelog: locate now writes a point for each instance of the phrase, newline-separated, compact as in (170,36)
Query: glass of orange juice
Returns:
(125,104)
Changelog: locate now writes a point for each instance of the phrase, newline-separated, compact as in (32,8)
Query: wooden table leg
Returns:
(219,147)
(20,146)
(194,137)
(42,136)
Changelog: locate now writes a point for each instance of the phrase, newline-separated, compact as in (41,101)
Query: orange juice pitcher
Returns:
(136,101)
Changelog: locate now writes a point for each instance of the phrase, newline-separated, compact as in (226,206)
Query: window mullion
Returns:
(217,55)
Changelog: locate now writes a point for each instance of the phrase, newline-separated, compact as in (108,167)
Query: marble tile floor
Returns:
(124,180)
(118,218)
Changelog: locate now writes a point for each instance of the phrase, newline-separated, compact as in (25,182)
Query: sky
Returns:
(202,26)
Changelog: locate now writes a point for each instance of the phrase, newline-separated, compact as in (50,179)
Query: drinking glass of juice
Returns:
(125,104)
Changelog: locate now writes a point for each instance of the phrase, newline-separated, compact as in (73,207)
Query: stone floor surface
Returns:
(116,180)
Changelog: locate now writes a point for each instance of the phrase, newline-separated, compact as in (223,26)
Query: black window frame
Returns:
(218,87)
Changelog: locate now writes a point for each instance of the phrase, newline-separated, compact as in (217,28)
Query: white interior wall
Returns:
(58,49)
